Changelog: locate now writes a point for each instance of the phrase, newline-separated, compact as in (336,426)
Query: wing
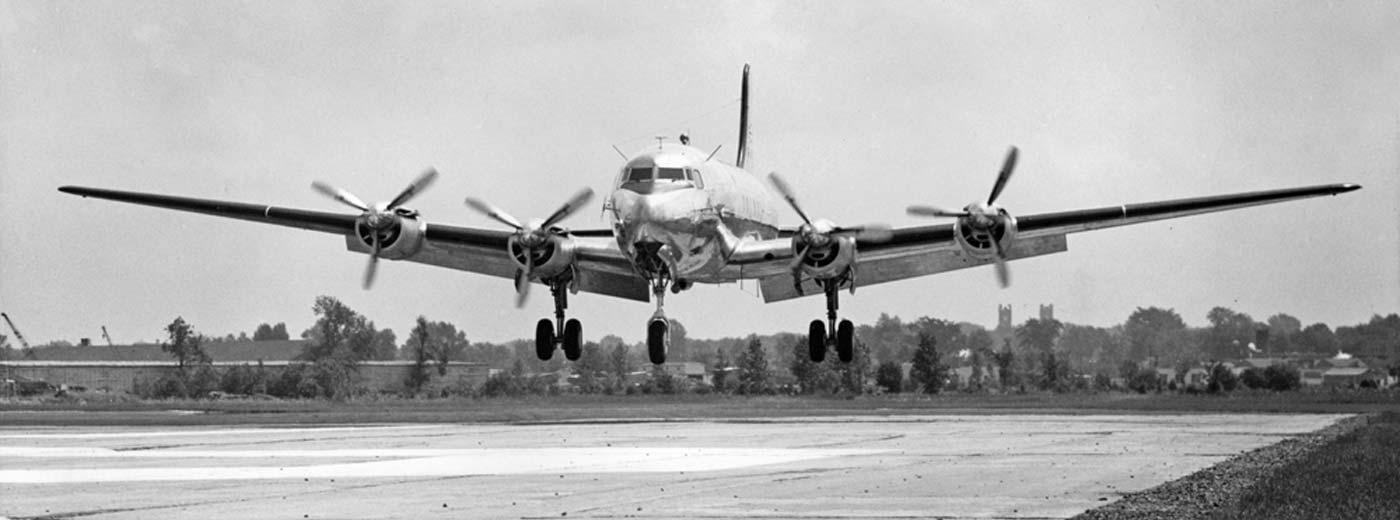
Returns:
(600,267)
(923,250)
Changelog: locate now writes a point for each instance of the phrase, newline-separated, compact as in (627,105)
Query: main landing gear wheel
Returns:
(573,339)
(845,341)
(544,339)
(816,341)
(657,332)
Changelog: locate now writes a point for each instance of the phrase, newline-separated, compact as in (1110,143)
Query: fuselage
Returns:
(678,213)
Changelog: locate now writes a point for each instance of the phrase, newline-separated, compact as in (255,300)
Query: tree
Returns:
(721,372)
(266,332)
(890,376)
(1229,334)
(184,344)
(1318,339)
(341,333)
(754,376)
(1039,335)
(928,372)
(593,368)
(811,376)
(1154,333)
(1283,331)
(621,365)
(852,376)
(420,338)
(1221,379)
(1006,363)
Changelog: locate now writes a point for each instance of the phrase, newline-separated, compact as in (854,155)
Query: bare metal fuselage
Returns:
(687,227)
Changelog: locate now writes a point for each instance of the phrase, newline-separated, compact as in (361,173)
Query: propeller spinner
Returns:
(380,216)
(532,236)
(983,217)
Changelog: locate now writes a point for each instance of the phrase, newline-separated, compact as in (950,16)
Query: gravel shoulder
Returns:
(1204,494)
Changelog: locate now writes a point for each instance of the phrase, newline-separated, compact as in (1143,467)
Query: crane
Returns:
(105,336)
(18,336)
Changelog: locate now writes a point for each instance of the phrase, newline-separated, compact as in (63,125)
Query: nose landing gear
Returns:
(559,332)
(818,338)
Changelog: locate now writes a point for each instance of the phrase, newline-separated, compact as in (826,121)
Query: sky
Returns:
(864,107)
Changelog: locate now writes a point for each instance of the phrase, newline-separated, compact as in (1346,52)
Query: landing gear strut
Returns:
(818,336)
(559,331)
(658,327)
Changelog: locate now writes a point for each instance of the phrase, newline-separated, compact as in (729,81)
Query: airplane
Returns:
(680,217)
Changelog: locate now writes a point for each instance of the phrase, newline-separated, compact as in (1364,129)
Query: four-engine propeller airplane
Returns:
(682,217)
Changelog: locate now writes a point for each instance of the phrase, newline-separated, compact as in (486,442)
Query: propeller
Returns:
(531,236)
(819,233)
(378,217)
(983,217)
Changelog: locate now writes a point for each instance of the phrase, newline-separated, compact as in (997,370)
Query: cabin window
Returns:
(639,175)
(670,174)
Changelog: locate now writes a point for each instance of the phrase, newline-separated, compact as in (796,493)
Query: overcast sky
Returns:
(865,107)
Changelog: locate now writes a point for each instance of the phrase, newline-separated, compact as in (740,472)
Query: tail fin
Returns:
(743,120)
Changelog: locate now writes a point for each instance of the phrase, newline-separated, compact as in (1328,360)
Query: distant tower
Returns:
(1047,312)
(1004,317)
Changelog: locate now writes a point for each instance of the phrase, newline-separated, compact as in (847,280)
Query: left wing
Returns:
(923,250)
(599,268)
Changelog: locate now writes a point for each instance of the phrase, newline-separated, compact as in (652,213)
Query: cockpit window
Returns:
(639,175)
(694,176)
(670,174)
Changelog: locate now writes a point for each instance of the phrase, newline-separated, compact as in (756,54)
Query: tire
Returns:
(657,332)
(573,339)
(544,339)
(845,341)
(816,341)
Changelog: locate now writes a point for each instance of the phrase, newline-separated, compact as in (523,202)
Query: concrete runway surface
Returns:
(958,466)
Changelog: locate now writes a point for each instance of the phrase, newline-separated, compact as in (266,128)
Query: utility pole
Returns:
(18,336)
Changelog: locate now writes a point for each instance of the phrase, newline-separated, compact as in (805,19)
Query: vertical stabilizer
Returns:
(743,120)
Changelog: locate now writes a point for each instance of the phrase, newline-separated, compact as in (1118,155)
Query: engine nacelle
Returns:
(401,239)
(550,259)
(977,243)
(832,260)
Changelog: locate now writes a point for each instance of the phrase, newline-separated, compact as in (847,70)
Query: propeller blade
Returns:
(1005,175)
(786,191)
(574,203)
(1003,273)
(868,232)
(343,196)
(934,211)
(494,212)
(414,188)
(373,260)
(522,280)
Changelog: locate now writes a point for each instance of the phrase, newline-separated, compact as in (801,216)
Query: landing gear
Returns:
(544,339)
(573,339)
(659,328)
(658,336)
(559,332)
(818,339)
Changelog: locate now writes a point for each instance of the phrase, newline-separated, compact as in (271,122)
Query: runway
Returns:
(984,466)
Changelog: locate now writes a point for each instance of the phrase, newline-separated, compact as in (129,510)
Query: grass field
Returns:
(99,410)
(1355,476)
